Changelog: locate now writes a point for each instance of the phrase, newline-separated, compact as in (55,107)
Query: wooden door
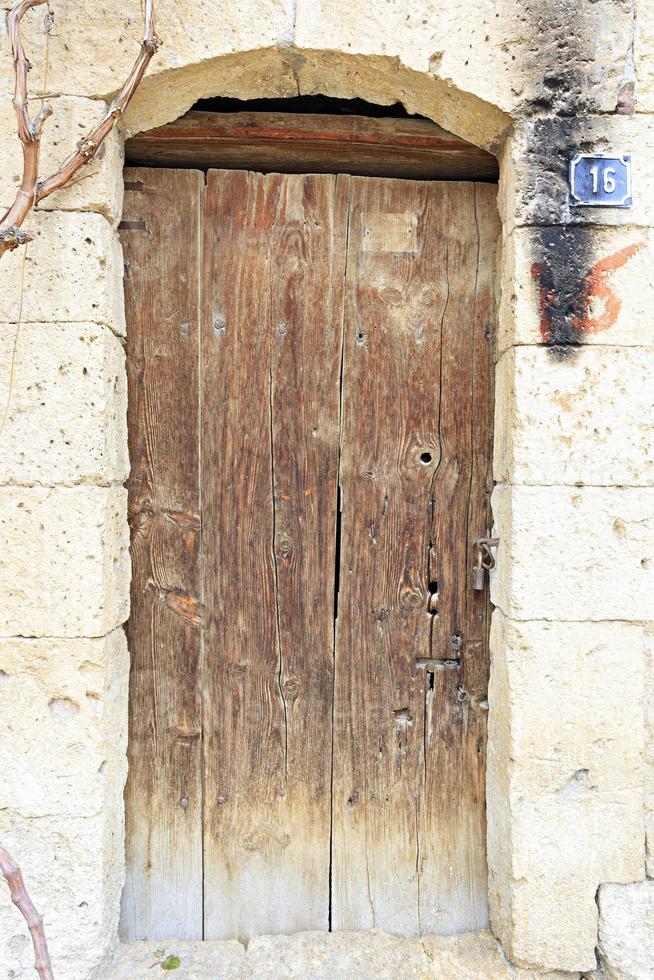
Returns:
(310,431)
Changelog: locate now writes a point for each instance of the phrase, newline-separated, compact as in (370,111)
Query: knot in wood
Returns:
(285,549)
(411,598)
(291,688)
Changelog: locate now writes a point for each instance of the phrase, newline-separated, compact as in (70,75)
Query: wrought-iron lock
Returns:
(485,560)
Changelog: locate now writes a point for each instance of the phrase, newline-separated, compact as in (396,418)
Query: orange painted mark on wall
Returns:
(576,305)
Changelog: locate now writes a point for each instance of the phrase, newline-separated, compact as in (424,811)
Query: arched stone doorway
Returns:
(350,780)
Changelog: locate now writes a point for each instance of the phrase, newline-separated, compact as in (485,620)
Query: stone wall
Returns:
(571,778)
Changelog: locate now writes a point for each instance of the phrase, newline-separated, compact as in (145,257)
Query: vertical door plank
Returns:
(409,849)
(475,661)
(161,240)
(395,298)
(274,260)
(453,857)
(453,863)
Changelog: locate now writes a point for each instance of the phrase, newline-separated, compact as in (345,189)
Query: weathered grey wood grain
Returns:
(314,770)
(274,264)
(408,847)
(163,799)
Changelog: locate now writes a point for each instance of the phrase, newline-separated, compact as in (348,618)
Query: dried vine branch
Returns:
(29,134)
(25,905)
(32,191)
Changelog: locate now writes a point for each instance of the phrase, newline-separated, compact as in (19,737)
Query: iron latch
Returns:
(485,560)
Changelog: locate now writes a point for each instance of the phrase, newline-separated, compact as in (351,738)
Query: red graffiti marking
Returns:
(576,306)
(596,287)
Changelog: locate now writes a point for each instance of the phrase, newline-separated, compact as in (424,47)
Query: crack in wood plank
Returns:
(273,492)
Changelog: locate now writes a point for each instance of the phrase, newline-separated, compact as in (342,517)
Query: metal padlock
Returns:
(479,573)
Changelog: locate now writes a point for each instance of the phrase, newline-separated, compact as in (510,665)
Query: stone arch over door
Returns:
(544,869)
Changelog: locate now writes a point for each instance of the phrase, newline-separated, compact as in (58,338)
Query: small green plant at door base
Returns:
(170,962)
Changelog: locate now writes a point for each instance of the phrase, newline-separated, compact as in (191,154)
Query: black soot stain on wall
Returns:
(574,295)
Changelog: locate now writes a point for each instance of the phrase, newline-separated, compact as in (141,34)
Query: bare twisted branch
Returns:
(29,134)
(24,903)
(31,192)
(91,143)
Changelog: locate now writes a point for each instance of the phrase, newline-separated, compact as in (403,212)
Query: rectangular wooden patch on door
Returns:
(389,232)
(307,732)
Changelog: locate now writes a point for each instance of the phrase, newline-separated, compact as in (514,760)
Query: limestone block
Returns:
(63,740)
(583,419)
(66,418)
(534,188)
(91,50)
(572,255)
(644,57)
(573,554)
(626,933)
(73,272)
(75,883)
(565,772)
(64,561)
(325,955)
(64,725)
(649,748)
(98,187)
(471,956)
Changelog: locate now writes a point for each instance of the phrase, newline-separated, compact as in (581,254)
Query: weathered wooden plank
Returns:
(453,875)
(406,486)
(161,241)
(475,659)
(274,263)
(449,573)
(394,300)
(313,143)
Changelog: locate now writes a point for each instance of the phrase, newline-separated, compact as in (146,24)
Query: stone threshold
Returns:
(325,956)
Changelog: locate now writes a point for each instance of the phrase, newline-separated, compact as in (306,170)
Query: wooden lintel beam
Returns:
(301,143)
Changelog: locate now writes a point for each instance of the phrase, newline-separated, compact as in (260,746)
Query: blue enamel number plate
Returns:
(600,181)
